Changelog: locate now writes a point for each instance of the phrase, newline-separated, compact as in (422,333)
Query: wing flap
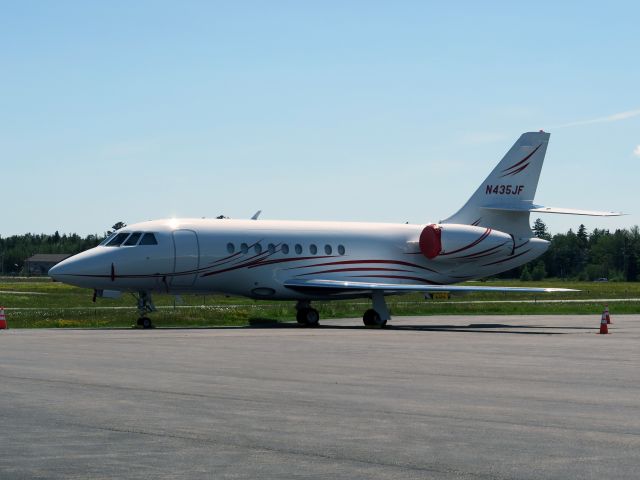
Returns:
(340,286)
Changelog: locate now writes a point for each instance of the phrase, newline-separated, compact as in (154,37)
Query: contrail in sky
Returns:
(609,118)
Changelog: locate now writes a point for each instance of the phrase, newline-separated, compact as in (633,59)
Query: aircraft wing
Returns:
(343,287)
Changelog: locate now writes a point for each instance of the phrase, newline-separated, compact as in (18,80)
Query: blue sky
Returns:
(366,111)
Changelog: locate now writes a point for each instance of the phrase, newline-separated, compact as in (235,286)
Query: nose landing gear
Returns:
(145,306)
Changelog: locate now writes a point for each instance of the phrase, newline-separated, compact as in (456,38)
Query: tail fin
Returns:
(504,199)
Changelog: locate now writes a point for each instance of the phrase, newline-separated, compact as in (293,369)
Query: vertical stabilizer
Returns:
(504,199)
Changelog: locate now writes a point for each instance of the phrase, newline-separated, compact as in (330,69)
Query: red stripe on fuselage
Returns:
(355,269)
(284,260)
(353,262)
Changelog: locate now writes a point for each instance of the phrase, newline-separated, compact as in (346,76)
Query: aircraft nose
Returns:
(77,268)
(57,271)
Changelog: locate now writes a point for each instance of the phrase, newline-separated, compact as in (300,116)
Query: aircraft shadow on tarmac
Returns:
(473,327)
(267,323)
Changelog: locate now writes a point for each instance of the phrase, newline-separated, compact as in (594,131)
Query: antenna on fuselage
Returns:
(256,215)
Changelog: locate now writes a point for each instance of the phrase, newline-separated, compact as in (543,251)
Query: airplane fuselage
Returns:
(254,258)
(306,261)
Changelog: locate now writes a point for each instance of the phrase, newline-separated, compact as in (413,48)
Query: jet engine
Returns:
(463,242)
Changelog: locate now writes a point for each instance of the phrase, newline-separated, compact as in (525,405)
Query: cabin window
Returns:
(133,239)
(313,249)
(258,248)
(117,240)
(328,249)
(231,247)
(285,249)
(271,248)
(148,239)
(244,248)
(298,248)
(341,249)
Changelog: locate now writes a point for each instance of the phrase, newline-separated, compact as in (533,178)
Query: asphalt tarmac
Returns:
(431,397)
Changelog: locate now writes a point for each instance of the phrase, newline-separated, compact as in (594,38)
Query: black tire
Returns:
(313,317)
(371,318)
(146,322)
(309,317)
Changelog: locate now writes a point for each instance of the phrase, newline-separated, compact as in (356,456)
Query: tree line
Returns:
(16,249)
(584,256)
(579,255)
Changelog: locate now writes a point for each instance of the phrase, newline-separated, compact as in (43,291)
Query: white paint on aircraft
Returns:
(306,261)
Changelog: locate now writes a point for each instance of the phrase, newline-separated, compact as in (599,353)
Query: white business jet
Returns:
(307,261)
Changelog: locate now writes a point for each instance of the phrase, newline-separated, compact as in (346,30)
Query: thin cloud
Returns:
(636,151)
(616,117)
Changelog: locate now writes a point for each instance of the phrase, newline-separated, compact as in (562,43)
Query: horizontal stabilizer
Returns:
(339,286)
(527,207)
(574,211)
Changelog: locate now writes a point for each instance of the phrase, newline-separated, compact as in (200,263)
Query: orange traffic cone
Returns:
(606,314)
(3,319)
(603,325)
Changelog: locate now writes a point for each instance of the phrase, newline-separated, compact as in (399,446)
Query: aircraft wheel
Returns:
(371,318)
(308,317)
(145,322)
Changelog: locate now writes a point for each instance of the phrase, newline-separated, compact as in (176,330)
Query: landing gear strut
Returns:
(145,306)
(307,316)
(379,314)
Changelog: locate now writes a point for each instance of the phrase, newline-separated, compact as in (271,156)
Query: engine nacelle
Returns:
(464,242)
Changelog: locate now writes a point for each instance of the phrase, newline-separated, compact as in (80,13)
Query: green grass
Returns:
(52,304)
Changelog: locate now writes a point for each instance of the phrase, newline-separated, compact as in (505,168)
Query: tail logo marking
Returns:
(519,167)
(504,189)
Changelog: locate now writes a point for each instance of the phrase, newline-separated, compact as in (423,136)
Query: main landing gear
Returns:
(374,317)
(379,314)
(145,306)
(307,316)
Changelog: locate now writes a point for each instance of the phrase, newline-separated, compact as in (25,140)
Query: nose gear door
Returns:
(186,258)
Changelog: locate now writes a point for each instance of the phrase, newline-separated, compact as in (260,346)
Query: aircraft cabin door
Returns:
(186,258)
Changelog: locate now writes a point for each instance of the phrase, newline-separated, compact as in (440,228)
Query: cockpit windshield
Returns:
(117,240)
(128,239)
(107,240)
(133,239)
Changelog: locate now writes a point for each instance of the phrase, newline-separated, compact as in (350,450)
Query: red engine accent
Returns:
(431,241)
(463,243)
